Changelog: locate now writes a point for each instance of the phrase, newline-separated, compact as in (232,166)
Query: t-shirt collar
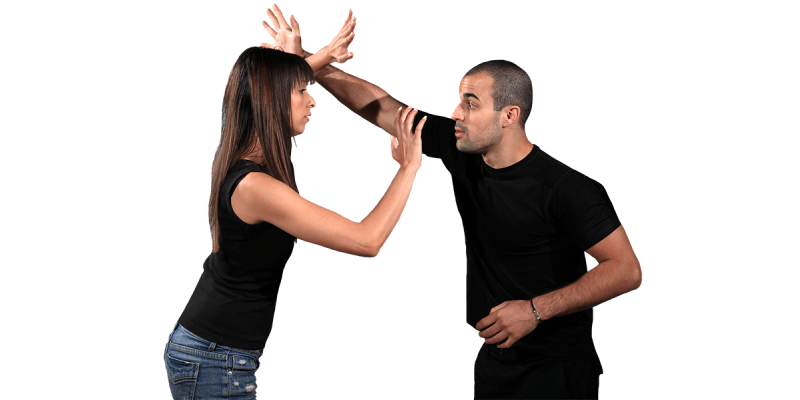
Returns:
(513,167)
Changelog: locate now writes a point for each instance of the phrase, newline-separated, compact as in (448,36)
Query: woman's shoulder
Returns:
(260,197)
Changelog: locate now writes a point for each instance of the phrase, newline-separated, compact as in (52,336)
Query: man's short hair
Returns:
(512,86)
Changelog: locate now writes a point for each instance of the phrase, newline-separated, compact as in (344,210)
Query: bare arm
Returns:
(618,272)
(363,98)
(287,38)
(259,197)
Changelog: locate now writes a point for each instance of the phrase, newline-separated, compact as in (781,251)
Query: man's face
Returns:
(477,123)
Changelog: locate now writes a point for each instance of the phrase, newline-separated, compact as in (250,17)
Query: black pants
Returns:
(513,374)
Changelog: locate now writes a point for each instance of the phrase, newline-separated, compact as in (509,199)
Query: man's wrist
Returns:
(535,311)
(541,305)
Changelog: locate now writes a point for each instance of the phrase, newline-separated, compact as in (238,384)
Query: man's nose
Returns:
(457,114)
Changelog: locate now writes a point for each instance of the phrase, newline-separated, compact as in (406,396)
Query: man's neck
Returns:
(511,150)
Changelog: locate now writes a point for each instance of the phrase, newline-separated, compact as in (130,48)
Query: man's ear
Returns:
(510,116)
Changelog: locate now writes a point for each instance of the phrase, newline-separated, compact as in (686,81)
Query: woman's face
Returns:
(302,103)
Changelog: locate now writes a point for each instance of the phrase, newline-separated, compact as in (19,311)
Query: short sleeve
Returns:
(438,137)
(581,207)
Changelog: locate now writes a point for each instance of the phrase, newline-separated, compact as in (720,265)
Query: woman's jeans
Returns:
(199,369)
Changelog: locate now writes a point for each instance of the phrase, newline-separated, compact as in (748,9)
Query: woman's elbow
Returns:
(635,275)
(369,248)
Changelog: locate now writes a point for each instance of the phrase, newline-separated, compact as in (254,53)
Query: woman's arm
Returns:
(287,38)
(259,197)
(364,98)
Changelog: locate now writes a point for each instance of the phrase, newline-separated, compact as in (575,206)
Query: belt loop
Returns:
(173,331)
(212,346)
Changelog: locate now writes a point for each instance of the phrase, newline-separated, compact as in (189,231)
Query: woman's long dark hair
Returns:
(257,105)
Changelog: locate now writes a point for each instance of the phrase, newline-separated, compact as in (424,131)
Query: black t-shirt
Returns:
(234,301)
(526,227)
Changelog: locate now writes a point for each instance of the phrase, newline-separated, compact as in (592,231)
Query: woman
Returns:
(256,215)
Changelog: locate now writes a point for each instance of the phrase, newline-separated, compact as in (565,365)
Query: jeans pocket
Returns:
(182,376)
(243,376)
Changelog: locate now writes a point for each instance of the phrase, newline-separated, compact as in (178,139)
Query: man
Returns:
(527,220)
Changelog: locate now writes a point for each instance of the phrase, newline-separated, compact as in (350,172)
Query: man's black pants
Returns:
(515,374)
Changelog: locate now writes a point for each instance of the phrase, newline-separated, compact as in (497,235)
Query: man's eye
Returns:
(470,104)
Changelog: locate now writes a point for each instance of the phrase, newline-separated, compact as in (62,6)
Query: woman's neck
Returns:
(256,156)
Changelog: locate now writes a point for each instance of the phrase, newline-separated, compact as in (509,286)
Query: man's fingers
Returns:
(490,331)
(274,19)
(279,14)
(486,321)
(271,46)
(507,343)
(499,337)
(499,306)
(295,26)
(269,29)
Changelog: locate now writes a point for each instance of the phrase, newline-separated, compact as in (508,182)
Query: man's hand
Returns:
(286,38)
(511,320)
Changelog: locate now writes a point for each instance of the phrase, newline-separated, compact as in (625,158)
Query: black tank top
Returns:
(234,302)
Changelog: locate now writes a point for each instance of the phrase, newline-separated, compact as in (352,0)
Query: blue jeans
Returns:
(199,369)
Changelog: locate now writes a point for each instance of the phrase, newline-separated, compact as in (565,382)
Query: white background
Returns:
(686,111)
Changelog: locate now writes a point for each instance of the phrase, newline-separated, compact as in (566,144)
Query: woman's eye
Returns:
(302,91)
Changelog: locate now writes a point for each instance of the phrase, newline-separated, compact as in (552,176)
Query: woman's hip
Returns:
(200,369)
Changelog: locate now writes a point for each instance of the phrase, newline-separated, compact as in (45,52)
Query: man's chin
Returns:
(465,147)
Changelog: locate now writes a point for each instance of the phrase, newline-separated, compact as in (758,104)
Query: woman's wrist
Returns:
(328,58)
(410,168)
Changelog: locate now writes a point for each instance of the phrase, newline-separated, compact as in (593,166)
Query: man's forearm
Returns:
(364,98)
(607,280)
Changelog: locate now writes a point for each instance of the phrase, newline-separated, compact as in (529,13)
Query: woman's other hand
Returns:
(407,147)
(287,37)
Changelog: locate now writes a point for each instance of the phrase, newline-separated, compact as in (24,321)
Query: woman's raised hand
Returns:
(407,149)
(337,49)
(287,38)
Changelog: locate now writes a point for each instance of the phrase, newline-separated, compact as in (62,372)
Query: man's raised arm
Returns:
(363,98)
